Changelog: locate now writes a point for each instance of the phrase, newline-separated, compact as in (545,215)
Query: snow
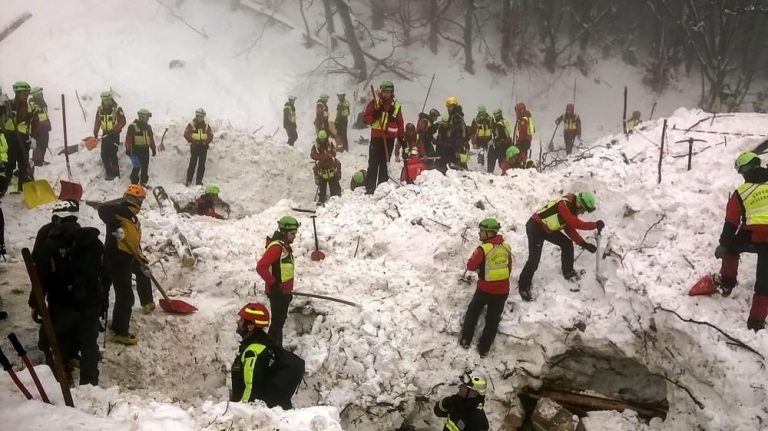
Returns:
(398,253)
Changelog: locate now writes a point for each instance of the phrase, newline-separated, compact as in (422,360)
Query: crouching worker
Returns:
(209,204)
(464,410)
(262,370)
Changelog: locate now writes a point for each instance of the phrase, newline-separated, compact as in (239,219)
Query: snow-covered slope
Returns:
(398,254)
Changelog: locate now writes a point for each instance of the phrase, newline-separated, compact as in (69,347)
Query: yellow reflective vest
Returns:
(384,122)
(754,196)
(248,359)
(141,135)
(108,119)
(496,264)
(11,119)
(200,134)
(3,151)
(283,268)
(550,215)
(342,109)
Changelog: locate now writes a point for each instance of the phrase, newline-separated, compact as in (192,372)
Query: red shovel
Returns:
(174,306)
(69,190)
(317,254)
(705,286)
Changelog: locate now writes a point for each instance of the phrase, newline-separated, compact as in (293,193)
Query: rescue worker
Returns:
(125,258)
(492,260)
(501,140)
(208,203)
(41,125)
(633,121)
(289,120)
(442,144)
(571,127)
(524,130)
(111,120)
(431,135)
(327,168)
(321,114)
(199,135)
(276,269)
(547,224)
(481,132)
(342,119)
(16,129)
(746,230)
(139,140)
(464,410)
(409,143)
(385,117)
(457,133)
(358,179)
(414,165)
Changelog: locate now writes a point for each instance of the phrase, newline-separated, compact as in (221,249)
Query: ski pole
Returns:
(428,91)
(23,355)
(9,369)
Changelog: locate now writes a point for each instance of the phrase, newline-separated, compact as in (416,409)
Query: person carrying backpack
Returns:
(262,370)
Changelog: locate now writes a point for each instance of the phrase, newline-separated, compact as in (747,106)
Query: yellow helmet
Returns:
(451,100)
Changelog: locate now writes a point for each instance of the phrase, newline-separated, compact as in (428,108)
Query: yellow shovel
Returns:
(38,192)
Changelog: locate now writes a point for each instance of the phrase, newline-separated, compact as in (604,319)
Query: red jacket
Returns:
(415,167)
(499,287)
(265,265)
(570,221)
(368,118)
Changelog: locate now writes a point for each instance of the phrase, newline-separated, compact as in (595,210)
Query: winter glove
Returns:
(600,225)
(119,234)
(720,252)
(589,247)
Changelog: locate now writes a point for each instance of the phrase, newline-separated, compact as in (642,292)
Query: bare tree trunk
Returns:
(434,25)
(307,35)
(469,63)
(354,44)
(377,14)
(506,33)
(405,20)
(329,22)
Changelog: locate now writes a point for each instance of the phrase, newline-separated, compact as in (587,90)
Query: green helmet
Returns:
(35,91)
(144,113)
(588,199)
(497,113)
(212,189)
(444,119)
(200,112)
(746,161)
(323,98)
(106,95)
(322,135)
(481,108)
(358,177)
(287,224)
(490,225)
(387,85)
(512,151)
(20,86)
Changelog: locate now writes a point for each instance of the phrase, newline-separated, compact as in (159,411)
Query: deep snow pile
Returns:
(399,253)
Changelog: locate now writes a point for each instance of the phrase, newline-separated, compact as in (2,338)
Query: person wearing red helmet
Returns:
(571,127)
(523,133)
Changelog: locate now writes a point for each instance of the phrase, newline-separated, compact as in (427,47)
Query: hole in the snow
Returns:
(583,380)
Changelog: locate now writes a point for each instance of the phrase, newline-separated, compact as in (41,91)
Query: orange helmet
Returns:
(136,190)
(569,107)
(256,313)
(520,107)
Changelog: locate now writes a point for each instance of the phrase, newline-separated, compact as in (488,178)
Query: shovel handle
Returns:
(159,288)
(314,229)
(16,344)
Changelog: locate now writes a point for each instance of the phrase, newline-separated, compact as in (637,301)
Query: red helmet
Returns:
(569,107)
(520,107)
(255,313)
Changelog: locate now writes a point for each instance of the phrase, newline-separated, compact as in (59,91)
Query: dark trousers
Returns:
(18,157)
(143,154)
(494,155)
(78,331)
(41,144)
(198,155)
(109,146)
(323,185)
(536,237)
(341,132)
(122,266)
(495,304)
(569,139)
(2,225)
(278,307)
(729,267)
(292,134)
(377,163)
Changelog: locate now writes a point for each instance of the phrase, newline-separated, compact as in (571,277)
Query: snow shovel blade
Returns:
(317,255)
(70,191)
(90,142)
(177,306)
(38,192)
(705,286)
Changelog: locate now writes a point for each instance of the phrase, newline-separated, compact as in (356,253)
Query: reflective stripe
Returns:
(452,426)
(3,151)
(344,111)
(291,113)
(391,123)
(140,137)
(249,364)
(531,128)
(570,123)
(507,128)
(257,313)
(496,263)
(108,120)
(286,262)
(10,121)
(755,200)
(550,215)
(200,134)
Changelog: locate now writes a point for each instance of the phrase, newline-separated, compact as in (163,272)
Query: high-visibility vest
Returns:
(569,122)
(632,123)
(249,364)
(495,267)
(483,127)
(507,128)
(200,134)
(284,267)
(141,136)
(754,196)
(531,128)
(10,121)
(109,119)
(342,109)
(384,122)
(550,215)
(40,111)
(291,113)
(3,150)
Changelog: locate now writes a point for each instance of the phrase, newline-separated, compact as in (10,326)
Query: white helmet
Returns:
(475,381)
(68,208)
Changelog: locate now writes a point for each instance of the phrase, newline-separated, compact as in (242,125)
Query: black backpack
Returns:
(286,377)
(77,273)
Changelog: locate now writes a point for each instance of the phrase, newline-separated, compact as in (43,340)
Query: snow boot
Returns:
(755,324)
(127,340)
(464,343)
(573,275)
(148,308)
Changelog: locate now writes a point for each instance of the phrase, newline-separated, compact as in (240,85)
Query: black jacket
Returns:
(261,386)
(466,413)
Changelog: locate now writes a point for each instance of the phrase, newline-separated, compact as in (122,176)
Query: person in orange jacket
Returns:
(523,133)
(139,140)
(199,135)
(110,119)
(385,117)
